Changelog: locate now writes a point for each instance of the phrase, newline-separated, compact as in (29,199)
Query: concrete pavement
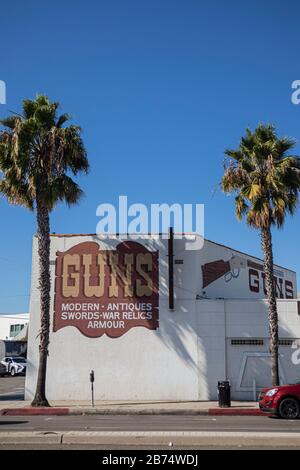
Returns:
(12,388)
(166,439)
(12,403)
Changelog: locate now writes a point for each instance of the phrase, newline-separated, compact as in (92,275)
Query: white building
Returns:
(12,324)
(110,312)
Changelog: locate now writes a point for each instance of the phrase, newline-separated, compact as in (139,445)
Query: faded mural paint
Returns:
(106,291)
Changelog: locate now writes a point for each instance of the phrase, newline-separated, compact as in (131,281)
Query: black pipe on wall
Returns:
(171,267)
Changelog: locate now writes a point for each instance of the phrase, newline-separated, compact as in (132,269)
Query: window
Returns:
(289,342)
(15,330)
(260,342)
(247,342)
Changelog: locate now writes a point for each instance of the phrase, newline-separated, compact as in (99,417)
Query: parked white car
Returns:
(15,365)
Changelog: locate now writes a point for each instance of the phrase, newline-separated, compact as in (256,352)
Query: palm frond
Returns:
(264,177)
(37,153)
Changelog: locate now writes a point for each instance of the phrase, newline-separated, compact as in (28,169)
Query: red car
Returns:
(283,400)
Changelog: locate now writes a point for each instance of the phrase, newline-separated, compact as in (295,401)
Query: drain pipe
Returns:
(171,268)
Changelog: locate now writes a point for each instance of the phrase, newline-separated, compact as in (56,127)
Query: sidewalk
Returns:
(238,408)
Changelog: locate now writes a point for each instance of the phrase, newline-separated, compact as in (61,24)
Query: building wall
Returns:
(180,360)
(248,363)
(7,320)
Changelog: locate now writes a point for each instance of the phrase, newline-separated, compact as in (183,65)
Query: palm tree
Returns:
(266,183)
(38,152)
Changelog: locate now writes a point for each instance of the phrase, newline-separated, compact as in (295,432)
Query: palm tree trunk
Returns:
(266,241)
(43,230)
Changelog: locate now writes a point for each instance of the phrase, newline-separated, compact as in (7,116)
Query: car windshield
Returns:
(19,359)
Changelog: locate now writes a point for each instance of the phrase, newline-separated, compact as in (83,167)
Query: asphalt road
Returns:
(12,388)
(148,423)
(148,432)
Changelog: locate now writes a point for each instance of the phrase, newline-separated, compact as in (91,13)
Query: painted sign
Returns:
(216,269)
(106,291)
(250,277)
(257,281)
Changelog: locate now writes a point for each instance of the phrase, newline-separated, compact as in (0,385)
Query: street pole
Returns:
(92,379)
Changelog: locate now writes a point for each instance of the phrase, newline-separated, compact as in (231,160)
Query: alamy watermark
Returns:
(136,220)
(296,354)
(2,92)
(295,97)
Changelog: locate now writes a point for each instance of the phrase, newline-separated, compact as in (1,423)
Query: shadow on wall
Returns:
(179,329)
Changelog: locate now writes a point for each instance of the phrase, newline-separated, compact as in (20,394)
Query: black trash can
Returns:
(224,394)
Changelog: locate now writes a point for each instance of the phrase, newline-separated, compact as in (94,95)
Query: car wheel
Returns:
(289,408)
(12,371)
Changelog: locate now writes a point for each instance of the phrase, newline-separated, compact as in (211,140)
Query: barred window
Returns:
(247,342)
(289,342)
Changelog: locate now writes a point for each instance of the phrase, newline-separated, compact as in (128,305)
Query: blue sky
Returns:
(160,88)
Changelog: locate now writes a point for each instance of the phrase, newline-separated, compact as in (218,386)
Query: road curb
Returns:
(56,411)
(35,411)
(135,412)
(175,438)
(235,412)
(30,437)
